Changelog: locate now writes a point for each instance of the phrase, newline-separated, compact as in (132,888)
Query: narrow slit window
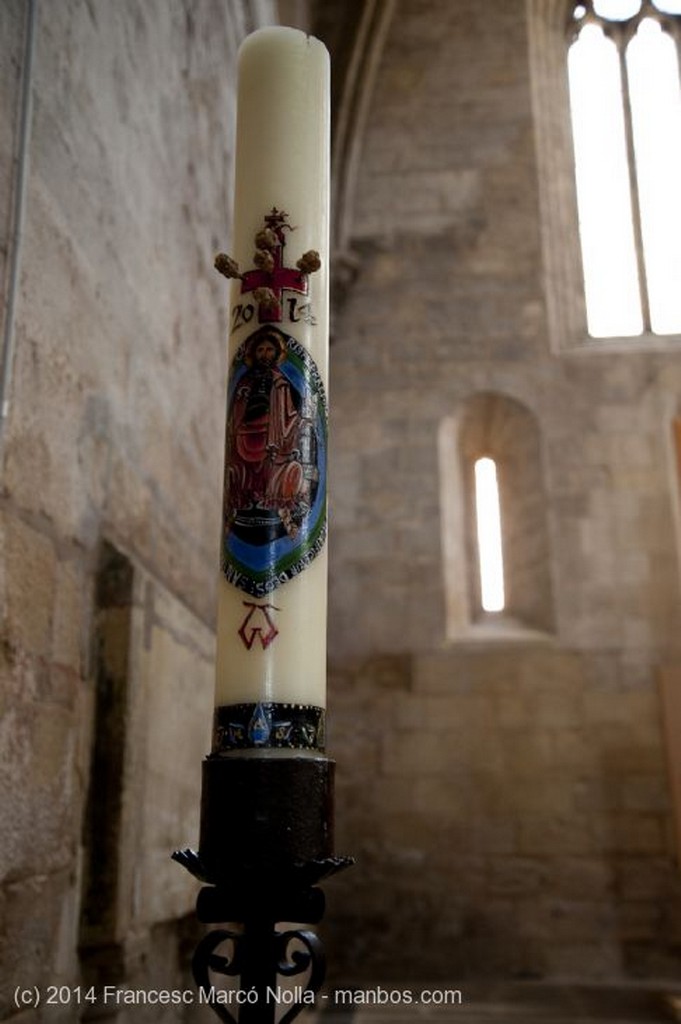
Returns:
(488,521)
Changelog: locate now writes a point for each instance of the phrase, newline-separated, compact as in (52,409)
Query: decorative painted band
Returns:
(268,724)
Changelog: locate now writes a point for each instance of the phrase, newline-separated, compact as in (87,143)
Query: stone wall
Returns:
(504,788)
(113,443)
(502,783)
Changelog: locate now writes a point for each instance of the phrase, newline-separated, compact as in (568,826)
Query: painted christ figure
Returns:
(264,468)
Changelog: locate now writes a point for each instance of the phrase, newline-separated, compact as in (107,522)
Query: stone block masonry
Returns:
(113,443)
(510,808)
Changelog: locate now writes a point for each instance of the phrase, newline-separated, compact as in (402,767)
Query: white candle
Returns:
(271,643)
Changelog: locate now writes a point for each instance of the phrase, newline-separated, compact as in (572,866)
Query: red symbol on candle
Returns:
(271,278)
(258,624)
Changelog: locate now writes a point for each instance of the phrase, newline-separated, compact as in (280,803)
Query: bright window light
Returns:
(653,72)
(617,10)
(603,192)
(668,6)
(488,518)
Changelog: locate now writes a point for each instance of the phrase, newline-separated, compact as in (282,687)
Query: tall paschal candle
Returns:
(271,632)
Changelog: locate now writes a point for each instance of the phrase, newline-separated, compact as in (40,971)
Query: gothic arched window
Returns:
(625,101)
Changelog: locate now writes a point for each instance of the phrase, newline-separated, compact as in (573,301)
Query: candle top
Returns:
(275,38)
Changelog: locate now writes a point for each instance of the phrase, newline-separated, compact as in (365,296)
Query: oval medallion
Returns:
(275,471)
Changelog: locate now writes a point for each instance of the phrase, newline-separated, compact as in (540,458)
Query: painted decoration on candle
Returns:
(270,282)
(258,625)
(271,278)
(268,724)
(275,472)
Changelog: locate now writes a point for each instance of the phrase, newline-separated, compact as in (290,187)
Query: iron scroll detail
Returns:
(263,959)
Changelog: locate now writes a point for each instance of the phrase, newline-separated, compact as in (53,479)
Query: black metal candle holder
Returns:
(266,841)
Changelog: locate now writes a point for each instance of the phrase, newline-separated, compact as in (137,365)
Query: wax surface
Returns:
(272,647)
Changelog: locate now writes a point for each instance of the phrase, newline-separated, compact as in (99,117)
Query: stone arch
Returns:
(500,427)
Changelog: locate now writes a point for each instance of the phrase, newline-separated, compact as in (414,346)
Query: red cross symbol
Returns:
(279,278)
(256,625)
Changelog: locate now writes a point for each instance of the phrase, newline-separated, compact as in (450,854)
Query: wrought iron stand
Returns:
(266,842)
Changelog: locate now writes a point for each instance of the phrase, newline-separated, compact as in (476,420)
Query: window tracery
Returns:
(625,100)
